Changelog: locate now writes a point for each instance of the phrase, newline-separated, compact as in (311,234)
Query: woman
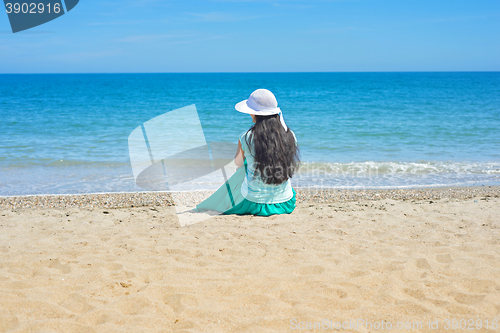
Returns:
(267,156)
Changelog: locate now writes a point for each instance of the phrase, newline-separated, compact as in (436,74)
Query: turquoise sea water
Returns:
(68,133)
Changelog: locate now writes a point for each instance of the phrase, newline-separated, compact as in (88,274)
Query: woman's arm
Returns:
(239,158)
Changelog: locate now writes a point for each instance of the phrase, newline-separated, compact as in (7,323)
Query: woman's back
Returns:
(254,188)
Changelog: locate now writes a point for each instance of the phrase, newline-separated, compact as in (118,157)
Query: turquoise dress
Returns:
(245,194)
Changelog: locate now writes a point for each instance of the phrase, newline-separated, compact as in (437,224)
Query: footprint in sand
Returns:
(134,306)
(423,264)
(444,258)
(55,263)
(178,302)
(415,293)
(460,310)
(467,299)
(311,270)
(76,303)
(480,286)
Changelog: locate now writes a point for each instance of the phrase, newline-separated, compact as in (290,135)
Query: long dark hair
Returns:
(275,151)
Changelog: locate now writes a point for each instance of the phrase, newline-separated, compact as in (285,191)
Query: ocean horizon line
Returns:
(256,72)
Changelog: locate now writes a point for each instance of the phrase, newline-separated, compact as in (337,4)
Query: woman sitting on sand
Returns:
(267,156)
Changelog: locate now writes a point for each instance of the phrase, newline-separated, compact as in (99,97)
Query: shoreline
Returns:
(144,199)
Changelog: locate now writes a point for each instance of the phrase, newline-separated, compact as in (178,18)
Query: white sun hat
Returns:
(261,102)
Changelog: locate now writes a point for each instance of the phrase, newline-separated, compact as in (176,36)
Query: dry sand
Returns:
(392,256)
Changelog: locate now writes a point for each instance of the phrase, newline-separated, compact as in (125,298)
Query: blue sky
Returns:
(259,36)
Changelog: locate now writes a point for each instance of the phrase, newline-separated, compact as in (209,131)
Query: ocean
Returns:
(68,133)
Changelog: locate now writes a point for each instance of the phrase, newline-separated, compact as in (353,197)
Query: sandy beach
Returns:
(413,259)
